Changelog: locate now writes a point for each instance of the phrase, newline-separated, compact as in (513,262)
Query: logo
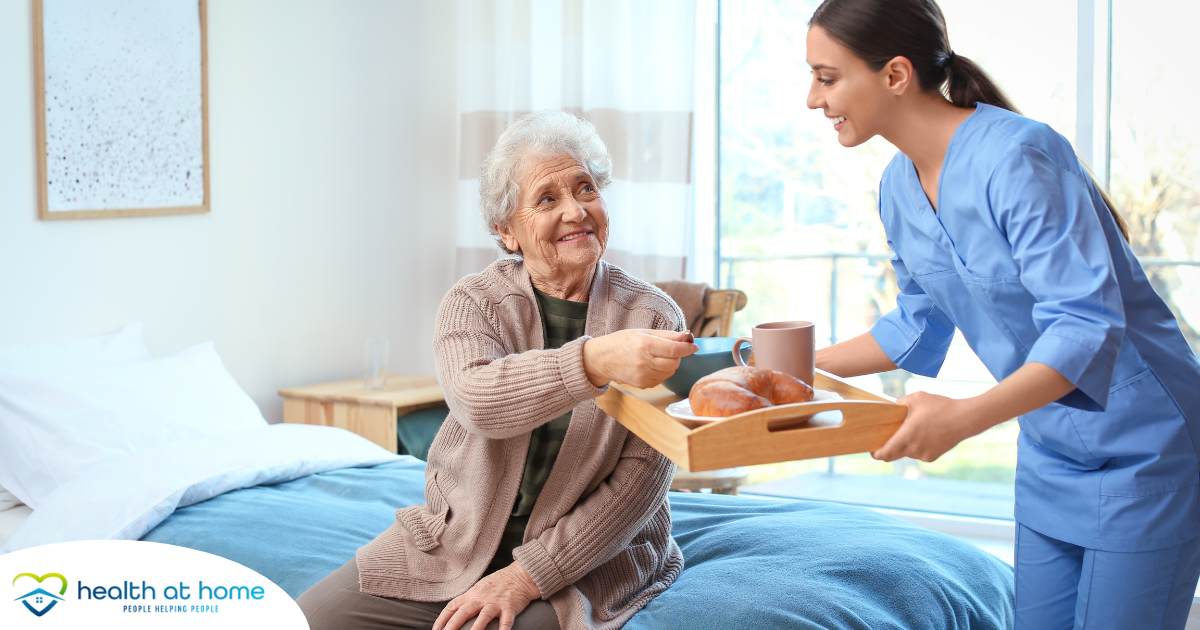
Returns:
(135,585)
(39,601)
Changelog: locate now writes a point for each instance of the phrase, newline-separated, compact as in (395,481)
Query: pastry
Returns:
(735,390)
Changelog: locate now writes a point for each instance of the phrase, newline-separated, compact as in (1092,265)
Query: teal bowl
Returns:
(715,353)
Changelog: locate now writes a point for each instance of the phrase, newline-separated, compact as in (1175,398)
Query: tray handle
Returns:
(866,425)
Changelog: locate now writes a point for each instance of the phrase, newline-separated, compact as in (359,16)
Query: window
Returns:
(1154,141)
(797,212)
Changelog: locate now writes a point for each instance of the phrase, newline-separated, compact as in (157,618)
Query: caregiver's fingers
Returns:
(896,446)
(889,452)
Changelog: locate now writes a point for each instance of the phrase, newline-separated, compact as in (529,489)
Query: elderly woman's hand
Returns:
(501,595)
(641,358)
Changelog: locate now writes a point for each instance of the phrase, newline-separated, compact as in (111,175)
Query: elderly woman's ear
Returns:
(509,239)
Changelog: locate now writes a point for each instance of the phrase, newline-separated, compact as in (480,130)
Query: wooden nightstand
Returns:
(367,412)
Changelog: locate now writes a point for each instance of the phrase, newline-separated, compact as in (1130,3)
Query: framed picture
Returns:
(122,107)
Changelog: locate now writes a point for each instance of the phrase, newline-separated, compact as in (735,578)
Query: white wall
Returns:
(332,129)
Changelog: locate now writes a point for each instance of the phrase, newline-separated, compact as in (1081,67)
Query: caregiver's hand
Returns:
(501,595)
(641,358)
(934,425)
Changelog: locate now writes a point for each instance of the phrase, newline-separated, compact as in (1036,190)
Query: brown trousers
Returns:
(336,603)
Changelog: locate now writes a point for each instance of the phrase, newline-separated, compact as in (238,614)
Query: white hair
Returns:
(543,134)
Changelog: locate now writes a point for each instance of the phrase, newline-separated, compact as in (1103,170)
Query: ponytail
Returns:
(1122,224)
(878,31)
(967,84)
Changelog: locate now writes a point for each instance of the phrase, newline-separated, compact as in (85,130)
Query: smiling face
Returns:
(561,224)
(855,99)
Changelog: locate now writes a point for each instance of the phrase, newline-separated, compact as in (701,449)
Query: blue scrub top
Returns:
(1025,259)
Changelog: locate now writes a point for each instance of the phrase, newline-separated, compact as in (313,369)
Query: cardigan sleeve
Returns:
(495,394)
(605,521)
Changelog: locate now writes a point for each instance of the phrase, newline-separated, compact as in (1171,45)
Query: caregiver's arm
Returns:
(854,357)
(935,424)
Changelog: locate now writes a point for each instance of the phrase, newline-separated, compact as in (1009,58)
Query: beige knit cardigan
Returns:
(598,543)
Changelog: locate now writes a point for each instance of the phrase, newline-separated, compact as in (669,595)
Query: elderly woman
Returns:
(540,510)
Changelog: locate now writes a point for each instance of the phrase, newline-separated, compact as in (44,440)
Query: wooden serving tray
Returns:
(764,436)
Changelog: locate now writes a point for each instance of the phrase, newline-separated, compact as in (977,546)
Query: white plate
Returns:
(683,408)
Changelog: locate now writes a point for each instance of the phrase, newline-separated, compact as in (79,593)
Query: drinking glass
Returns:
(375,361)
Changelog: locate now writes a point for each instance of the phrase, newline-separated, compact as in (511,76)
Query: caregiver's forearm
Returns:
(1033,386)
(854,357)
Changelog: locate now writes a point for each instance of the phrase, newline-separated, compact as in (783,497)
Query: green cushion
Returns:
(416,430)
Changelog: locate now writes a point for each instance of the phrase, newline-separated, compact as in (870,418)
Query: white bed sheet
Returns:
(127,498)
(11,520)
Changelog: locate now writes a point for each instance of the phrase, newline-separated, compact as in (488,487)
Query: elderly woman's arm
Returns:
(498,395)
(495,394)
(603,523)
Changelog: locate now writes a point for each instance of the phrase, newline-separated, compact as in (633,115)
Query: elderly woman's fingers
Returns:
(461,616)
(501,595)
(447,612)
(642,358)
(486,615)
(664,366)
(507,620)
(669,334)
(659,346)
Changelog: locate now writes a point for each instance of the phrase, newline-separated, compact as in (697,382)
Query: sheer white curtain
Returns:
(625,65)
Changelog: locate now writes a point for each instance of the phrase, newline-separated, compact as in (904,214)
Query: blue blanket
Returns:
(749,563)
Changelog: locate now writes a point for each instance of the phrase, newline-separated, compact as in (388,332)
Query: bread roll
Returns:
(737,390)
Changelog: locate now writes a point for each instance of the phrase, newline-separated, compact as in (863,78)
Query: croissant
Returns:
(735,390)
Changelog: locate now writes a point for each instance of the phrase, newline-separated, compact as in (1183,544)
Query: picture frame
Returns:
(121,100)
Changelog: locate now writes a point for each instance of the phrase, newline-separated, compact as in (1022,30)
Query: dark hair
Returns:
(878,31)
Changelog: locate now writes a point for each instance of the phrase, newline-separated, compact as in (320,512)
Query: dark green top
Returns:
(562,322)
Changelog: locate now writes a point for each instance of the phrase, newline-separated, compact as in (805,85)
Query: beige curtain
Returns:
(628,68)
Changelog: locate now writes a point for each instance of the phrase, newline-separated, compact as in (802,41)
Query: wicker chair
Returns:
(709,312)
(711,316)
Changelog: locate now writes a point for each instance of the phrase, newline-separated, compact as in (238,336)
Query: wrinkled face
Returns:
(561,223)
(853,98)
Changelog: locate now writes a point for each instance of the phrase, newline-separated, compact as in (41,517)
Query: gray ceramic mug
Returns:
(782,346)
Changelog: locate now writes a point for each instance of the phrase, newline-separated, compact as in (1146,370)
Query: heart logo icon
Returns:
(39,601)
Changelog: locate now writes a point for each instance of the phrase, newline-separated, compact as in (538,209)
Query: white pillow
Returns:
(7,500)
(54,358)
(53,429)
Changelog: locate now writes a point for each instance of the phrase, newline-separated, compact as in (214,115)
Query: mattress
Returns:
(769,564)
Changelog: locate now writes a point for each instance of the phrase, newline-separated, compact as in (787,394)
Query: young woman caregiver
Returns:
(1000,232)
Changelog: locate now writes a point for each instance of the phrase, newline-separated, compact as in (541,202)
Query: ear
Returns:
(506,235)
(898,75)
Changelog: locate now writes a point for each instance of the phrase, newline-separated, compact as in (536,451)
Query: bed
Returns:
(294,502)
